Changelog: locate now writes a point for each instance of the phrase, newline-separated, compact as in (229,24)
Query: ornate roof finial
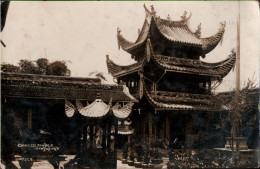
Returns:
(222,25)
(233,51)
(183,17)
(168,17)
(118,31)
(152,10)
(98,96)
(107,56)
(198,31)
(147,12)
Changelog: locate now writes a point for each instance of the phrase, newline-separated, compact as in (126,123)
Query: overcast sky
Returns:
(85,32)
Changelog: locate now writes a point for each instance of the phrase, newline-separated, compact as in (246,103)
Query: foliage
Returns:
(40,66)
(237,106)
(58,68)
(208,159)
(6,67)
(125,151)
(27,67)
(139,150)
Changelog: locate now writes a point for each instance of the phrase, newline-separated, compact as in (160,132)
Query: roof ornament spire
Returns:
(222,25)
(198,31)
(147,12)
(98,96)
(118,31)
(184,16)
(118,34)
(153,12)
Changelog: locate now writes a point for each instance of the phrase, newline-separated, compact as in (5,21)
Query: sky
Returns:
(83,33)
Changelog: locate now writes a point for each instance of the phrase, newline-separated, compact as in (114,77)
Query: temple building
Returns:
(171,82)
(79,113)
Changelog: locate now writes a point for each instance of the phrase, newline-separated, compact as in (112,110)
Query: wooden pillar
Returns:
(116,136)
(29,119)
(104,137)
(167,126)
(109,138)
(143,133)
(150,127)
(84,132)
(162,128)
(91,137)
(95,135)
(209,87)
(188,134)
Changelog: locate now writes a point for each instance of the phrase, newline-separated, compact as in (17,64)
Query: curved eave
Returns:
(219,70)
(209,43)
(69,109)
(124,112)
(129,46)
(118,70)
(174,106)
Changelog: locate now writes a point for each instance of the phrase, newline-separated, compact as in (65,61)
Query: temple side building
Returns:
(171,82)
(79,113)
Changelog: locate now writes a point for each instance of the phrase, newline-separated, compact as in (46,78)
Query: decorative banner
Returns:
(148,50)
(141,92)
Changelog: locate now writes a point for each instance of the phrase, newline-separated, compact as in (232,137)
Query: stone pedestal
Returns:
(237,141)
(245,154)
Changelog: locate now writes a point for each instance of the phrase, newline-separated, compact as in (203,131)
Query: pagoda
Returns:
(171,82)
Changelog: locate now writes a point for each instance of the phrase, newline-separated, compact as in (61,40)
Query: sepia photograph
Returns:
(144,84)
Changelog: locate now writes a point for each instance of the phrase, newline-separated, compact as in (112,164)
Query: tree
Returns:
(40,66)
(238,106)
(58,68)
(6,67)
(27,66)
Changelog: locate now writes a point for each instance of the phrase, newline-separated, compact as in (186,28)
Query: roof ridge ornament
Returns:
(118,34)
(233,51)
(147,12)
(198,31)
(184,16)
(153,12)
(222,25)
(118,31)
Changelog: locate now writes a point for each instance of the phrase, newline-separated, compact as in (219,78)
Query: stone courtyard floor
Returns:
(44,164)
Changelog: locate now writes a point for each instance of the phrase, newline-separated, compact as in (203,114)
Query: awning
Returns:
(123,112)
(126,132)
(96,109)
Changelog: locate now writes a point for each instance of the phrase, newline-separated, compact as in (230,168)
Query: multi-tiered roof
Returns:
(154,38)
